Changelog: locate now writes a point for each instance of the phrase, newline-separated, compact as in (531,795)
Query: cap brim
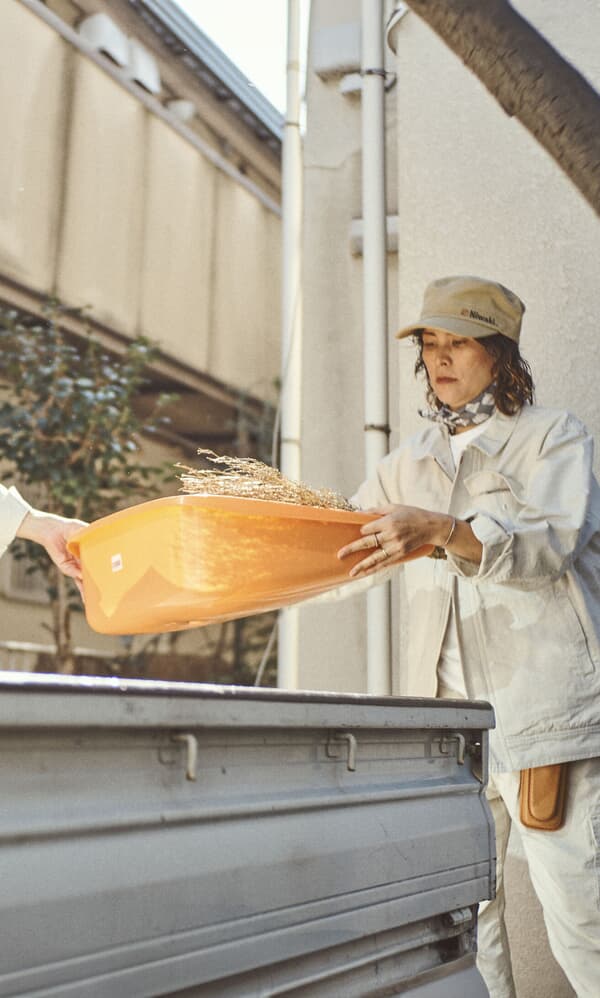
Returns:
(450,324)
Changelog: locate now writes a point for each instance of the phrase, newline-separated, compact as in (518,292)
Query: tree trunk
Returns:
(529,78)
(62,625)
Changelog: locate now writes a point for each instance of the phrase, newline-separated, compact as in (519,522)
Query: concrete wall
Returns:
(332,643)
(103,203)
(474,193)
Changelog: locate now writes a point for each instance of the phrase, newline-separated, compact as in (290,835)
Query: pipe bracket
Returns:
(379,427)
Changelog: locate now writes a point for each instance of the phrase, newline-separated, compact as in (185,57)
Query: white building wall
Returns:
(332,642)
(477,194)
(474,193)
(105,204)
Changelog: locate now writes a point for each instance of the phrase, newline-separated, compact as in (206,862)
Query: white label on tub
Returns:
(116,562)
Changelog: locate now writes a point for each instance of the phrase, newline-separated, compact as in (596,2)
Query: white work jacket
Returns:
(528,617)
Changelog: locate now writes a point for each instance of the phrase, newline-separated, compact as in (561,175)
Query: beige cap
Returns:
(469,306)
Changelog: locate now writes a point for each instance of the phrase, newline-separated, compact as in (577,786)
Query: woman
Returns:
(508,609)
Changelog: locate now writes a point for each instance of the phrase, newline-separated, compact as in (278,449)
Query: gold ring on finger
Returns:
(377,541)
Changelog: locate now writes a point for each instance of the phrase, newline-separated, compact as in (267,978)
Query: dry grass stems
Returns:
(251,479)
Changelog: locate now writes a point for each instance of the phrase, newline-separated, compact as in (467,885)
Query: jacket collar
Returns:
(434,441)
(498,431)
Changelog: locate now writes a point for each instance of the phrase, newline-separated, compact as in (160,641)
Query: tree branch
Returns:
(530,80)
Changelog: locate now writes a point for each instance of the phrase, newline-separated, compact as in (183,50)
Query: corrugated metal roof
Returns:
(210,64)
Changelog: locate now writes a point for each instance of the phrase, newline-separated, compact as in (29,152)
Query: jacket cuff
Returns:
(13,510)
(496,556)
(488,532)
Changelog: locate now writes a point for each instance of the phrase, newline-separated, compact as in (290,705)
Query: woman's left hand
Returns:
(399,531)
(53,533)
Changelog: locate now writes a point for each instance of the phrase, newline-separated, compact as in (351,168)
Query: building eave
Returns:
(202,57)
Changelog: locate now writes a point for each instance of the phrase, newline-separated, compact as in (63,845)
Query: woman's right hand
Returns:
(402,531)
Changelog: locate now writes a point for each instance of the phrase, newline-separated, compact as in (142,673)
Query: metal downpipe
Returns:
(375,312)
(291,353)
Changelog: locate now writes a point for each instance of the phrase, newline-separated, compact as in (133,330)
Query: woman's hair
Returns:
(513,382)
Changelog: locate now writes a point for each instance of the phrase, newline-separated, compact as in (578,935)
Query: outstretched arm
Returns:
(53,532)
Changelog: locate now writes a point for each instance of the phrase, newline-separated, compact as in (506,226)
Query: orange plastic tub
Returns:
(185,561)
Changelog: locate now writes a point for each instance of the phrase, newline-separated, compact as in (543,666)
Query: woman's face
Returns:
(459,367)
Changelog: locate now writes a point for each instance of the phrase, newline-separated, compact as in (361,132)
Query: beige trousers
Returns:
(564,867)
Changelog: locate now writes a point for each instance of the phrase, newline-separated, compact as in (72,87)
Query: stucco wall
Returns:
(332,637)
(106,204)
(103,203)
(474,193)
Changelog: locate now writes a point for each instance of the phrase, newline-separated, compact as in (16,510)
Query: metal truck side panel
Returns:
(237,842)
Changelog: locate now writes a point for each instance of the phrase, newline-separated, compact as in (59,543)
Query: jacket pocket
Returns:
(576,636)
(493,492)
(485,482)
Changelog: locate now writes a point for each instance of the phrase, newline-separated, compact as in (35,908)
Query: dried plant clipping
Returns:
(251,479)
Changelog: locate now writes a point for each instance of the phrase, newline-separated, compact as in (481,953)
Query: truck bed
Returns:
(177,838)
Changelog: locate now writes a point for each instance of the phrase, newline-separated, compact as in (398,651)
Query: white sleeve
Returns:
(544,536)
(13,509)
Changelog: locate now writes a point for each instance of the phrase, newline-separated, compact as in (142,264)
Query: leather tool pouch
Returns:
(542,797)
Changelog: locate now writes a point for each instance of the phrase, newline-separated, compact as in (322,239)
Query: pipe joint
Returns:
(378,427)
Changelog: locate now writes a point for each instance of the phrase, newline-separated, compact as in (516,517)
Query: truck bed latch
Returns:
(333,748)
(191,743)
(454,736)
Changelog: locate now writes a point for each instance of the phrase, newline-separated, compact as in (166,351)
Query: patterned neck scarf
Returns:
(476,411)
